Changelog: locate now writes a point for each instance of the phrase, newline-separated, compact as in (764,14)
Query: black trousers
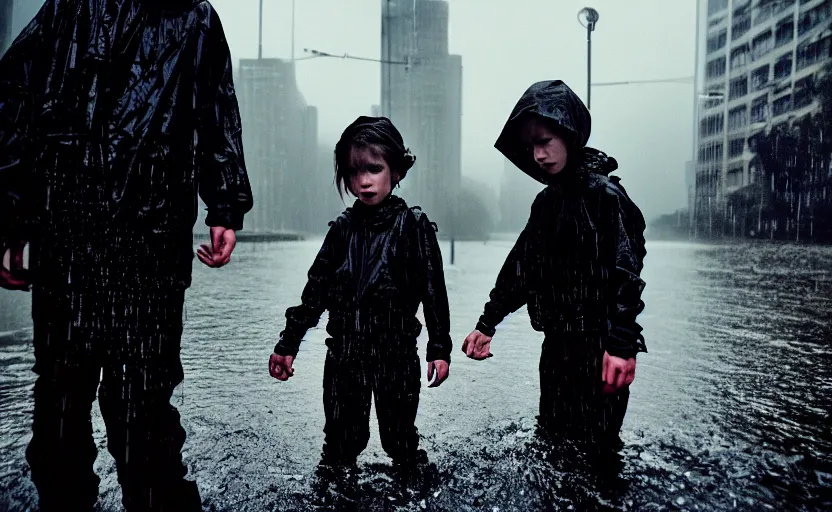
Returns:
(572,404)
(349,382)
(124,345)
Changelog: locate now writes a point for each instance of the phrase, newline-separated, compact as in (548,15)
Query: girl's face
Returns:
(370,178)
(549,149)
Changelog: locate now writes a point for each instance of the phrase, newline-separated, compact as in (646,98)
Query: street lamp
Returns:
(590,15)
(260,32)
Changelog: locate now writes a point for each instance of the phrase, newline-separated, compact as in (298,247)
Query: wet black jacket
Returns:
(578,261)
(113,116)
(375,266)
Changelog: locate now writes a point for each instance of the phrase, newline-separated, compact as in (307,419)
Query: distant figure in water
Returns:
(114,115)
(379,261)
(576,265)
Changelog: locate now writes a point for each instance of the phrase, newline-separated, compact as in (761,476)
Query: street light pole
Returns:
(293,28)
(591,16)
(260,33)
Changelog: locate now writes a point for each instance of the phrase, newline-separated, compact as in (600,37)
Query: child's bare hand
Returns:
(218,254)
(617,373)
(477,346)
(15,277)
(280,367)
(441,368)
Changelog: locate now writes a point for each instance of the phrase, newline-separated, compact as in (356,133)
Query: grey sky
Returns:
(506,45)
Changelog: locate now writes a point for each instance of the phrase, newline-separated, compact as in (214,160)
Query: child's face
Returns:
(548,147)
(370,177)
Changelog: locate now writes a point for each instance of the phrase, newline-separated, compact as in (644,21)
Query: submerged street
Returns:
(729,409)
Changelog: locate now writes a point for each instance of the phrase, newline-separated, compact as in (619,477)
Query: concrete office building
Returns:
(758,61)
(421,92)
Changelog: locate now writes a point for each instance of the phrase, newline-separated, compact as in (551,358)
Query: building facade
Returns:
(421,92)
(280,140)
(758,63)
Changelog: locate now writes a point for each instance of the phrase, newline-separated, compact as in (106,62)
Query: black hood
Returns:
(554,101)
(170,5)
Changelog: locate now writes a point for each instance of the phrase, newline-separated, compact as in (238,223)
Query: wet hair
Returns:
(371,132)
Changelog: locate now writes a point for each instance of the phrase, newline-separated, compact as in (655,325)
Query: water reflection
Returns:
(729,409)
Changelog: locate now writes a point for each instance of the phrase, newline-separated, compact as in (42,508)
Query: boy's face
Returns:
(370,177)
(549,149)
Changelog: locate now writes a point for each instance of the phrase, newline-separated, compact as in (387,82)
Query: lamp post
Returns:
(590,16)
(260,33)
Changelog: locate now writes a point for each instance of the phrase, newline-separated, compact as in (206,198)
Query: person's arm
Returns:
(435,295)
(23,71)
(510,291)
(223,181)
(301,318)
(435,304)
(625,338)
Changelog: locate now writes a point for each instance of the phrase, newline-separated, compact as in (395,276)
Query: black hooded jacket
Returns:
(375,266)
(113,116)
(577,262)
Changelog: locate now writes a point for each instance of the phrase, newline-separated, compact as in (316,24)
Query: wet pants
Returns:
(124,345)
(572,405)
(349,382)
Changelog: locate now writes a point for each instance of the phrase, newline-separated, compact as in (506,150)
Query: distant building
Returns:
(6,10)
(280,140)
(517,193)
(758,64)
(690,184)
(14,16)
(328,205)
(421,92)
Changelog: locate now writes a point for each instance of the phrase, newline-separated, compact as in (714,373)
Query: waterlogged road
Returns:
(730,409)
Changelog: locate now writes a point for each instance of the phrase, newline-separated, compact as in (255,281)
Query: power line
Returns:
(317,53)
(679,80)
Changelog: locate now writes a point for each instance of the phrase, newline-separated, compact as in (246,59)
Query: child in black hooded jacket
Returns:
(576,265)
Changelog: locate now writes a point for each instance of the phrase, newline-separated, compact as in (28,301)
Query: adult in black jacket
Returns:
(576,266)
(379,261)
(113,116)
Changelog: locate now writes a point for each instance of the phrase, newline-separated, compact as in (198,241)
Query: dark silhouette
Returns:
(576,266)
(113,115)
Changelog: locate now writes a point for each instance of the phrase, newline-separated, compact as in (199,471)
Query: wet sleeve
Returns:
(223,181)
(435,298)
(305,316)
(23,70)
(510,292)
(625,336)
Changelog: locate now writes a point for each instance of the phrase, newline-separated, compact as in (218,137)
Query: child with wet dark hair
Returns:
(379,261)
(576,265)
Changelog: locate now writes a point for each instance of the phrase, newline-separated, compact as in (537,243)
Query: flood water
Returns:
(730,408)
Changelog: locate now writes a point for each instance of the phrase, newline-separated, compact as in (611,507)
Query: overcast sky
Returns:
(506,46)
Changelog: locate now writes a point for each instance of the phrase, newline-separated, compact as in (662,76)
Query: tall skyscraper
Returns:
(421,92)
(280,140)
